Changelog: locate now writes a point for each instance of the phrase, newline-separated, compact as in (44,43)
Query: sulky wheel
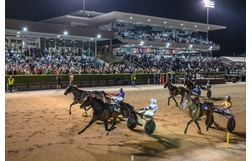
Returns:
(149,127)
(231,124)
(208,119)
(132,121)
(209,94)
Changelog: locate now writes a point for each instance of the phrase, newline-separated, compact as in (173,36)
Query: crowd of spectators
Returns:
(165,36)
(45,62)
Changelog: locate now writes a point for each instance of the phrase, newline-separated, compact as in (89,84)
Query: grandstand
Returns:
(125,33)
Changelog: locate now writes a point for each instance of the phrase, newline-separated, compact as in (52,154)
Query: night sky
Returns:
(229,13)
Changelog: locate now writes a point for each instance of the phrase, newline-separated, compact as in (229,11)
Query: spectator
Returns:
(71,78)
(155,78)
(58,79)
(10,83)
(133,79)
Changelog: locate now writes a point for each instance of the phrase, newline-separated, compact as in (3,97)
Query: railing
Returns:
(41,82)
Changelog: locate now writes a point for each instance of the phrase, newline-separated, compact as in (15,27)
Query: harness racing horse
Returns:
(101,111)
(197,110)
(79,96)
(190,85)
(174,91)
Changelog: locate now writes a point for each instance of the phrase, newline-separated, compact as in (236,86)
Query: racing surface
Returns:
(38,127)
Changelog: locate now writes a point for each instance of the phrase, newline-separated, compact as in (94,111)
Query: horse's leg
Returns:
(175,101)
(189,122)
(181,99)
(89,124)
(71,107)
(169,100)
(105,122)
(112,126)
(209,122)
(196,122)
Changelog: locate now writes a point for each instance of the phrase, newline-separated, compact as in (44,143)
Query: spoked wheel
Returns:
(149,127)
(209,94)
(132,121)
(231,124)
(211,121)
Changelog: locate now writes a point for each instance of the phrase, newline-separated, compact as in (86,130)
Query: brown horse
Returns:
(174,91)
(190,85)
(101,111)
(197,110)
(79,95)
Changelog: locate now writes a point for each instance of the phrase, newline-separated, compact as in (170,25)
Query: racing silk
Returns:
(152,107)
(120,94)
(227,105)
(208,85)
(196,90)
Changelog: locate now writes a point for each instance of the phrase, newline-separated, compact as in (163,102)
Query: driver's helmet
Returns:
(153,101)
(197,86)
(121,89)
(228,98)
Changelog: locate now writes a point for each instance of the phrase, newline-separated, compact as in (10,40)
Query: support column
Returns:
(110,45)
(95,49)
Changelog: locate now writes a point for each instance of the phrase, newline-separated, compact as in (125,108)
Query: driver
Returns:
(118,98)
(196,90)
(208,85)
(151,109)
(227,105)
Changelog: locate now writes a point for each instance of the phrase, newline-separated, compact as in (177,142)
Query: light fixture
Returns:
(65,32)
(165,22)
(195,25)
(130,17)
(181,24)
(24,29)
(58,36)
(148,19)
(91,39)
(99,36)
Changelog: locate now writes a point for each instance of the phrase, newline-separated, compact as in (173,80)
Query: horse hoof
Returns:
(199,132)
(84,114)
(70,113)
(184,132)
(107,133)
(79,133)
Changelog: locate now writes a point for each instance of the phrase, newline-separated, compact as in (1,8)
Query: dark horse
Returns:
(79,95)
(197,110)
(190,85)
(101,111)
(174,91)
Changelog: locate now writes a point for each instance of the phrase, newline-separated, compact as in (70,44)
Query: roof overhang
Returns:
(115,16)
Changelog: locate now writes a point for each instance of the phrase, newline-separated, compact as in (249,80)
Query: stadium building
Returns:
(114,32)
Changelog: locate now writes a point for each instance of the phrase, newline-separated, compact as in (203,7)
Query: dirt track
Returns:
(38,127)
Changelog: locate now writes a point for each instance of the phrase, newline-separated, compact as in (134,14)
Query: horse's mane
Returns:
(73,86)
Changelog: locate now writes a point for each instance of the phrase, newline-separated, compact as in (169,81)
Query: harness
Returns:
(194,107)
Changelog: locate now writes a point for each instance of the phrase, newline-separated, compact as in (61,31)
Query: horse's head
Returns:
(87,100)
(166,84)
(68,90)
